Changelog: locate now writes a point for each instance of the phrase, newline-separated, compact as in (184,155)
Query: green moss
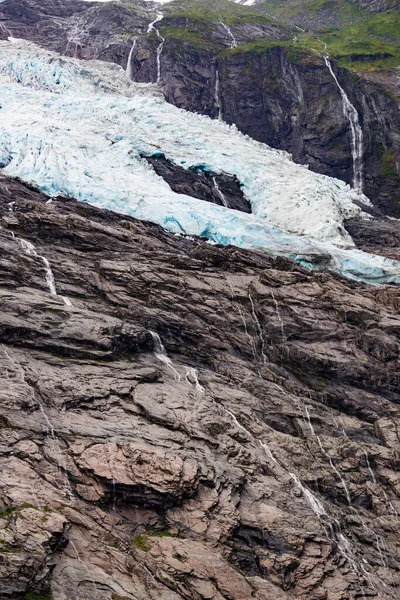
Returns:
(140,542)
(35,596)
(370,44)
(189,36)
(388,163)
(6,548)
(363,41)
(162,533)
(8,511)
(212,11)
(181,558)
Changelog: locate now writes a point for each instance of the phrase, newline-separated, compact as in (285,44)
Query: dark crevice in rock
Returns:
(224,190)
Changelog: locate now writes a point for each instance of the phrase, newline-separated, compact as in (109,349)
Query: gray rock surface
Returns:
(257,458)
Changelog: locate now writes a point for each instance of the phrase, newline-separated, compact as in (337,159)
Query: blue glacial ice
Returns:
(81,129)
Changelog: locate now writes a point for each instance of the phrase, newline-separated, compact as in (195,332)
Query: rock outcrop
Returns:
(276,92)
(255,455)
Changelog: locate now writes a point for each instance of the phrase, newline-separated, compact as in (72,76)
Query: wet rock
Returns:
(222,469)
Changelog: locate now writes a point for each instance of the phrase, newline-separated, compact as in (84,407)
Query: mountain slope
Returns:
(272,83)
(257,459)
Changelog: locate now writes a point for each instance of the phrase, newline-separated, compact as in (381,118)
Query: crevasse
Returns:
(81,129)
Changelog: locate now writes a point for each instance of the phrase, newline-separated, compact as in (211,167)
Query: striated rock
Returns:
(257,457)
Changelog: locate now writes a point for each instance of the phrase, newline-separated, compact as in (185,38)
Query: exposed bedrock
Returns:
(286,98)
(288,102)
(255,457)
(224,190)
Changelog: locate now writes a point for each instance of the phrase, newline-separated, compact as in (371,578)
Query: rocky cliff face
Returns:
(379,5)
(281,95)
(288,100)
(256,456)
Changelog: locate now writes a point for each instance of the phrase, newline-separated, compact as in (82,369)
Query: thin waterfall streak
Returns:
(159,52)
(268,452)
(371,471)
(373,477)
(263,445)
(343,543)
(315,504)
(252,346)
(220,193)
(259,329)
(335,470)
(233,43)
(217,94)
(150,28)
(156,20)
(192,373)
(161,354)
(351,115)
(30,250)
(50,431)
(238,425)
(278,314)
(309,420)
(128,71)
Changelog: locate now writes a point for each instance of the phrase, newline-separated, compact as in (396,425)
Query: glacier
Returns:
(81,129)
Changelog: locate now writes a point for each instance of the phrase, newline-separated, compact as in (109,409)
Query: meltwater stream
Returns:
(151,28)
(356,132)
(233,43)
(30,250)
(129,72)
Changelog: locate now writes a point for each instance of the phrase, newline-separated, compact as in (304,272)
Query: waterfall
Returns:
(159,52)
(150,28)
(217,95)
(156,20)
(335,470)
(309,420)
(315,504)
(30,250)
(351,115)
(50,431)
(191,374)
(250,338)
(259,329)
(233,43)
(129,73)
(278,314)
(220,193)
(161,354)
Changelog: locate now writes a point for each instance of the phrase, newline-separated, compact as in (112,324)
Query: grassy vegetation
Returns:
(211,11)
(143,542)
(188,35)
(140,542)
(287,11)
(35,596)
(362,41)
(373,43)
(388,162)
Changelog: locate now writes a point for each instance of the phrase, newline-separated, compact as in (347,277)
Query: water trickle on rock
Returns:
(161,354)
(233,43)
(30,250)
